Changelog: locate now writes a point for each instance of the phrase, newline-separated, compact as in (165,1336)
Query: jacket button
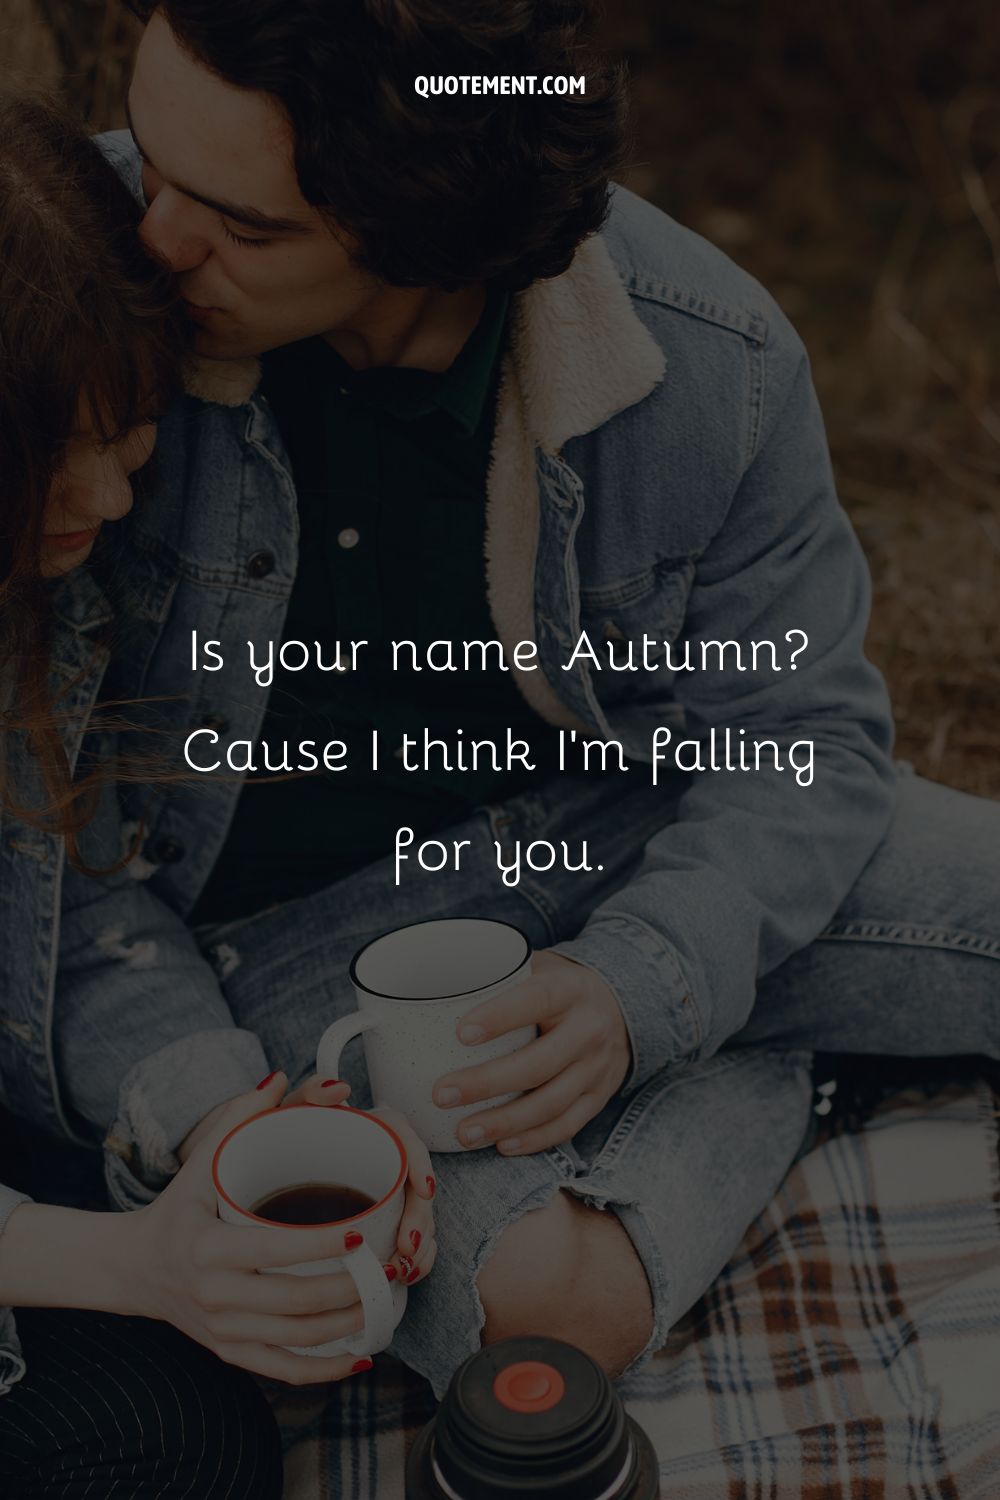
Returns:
(169,851)
(260,564)
(215,721)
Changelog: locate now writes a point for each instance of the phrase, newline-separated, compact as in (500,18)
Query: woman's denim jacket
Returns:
(660,468)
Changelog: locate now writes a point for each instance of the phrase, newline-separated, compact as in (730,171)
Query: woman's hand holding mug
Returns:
(201,1274)
(415,1244)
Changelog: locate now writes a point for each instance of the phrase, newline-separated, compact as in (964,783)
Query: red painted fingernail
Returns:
(329,1083)
(431,1186)
(407,1265)
(413,1276)
(390,1273)
(265,1081)
(353,1239)
(359,1367)
(415,1238)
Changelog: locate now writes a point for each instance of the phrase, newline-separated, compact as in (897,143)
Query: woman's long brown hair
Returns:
(83,313)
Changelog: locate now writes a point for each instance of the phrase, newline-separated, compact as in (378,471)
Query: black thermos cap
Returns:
(531,1417)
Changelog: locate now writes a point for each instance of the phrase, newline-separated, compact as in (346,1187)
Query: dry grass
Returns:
(82,51)
(849,156)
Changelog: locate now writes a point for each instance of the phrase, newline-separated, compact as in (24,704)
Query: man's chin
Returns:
(215,346)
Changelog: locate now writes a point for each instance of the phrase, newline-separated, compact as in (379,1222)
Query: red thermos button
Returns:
(529,1386)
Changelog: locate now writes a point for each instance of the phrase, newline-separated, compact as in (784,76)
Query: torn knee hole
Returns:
(142,953)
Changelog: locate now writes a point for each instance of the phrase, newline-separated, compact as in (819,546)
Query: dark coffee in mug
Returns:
(313,1203)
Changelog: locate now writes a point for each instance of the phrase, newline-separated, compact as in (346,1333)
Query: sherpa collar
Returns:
(579,356)
(580,352)
(225,382)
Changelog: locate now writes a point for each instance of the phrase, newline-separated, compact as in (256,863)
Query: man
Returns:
(456,364)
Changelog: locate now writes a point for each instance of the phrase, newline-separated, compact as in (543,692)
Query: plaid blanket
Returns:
(850,1350)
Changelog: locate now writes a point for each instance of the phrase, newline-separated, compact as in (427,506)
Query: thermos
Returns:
(531,1417)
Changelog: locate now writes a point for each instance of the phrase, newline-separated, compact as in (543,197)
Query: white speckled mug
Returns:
(413,986)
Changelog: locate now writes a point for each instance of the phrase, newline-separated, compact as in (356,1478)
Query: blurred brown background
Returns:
(849,156)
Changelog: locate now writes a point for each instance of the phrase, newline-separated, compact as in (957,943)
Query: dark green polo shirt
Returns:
(390,467)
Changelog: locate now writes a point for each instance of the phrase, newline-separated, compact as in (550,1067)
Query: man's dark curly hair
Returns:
(444,191)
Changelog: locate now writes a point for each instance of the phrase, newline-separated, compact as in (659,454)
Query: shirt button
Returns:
(169,851)
(260,564)
(348,538)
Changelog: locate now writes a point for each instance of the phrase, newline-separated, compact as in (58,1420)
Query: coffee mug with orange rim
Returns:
(305,1143)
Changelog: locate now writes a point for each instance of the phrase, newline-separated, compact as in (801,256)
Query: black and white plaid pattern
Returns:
(849,1351)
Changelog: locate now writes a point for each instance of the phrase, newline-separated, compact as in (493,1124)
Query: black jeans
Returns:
(127,1409)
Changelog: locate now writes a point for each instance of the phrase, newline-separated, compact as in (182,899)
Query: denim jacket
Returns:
(660,468)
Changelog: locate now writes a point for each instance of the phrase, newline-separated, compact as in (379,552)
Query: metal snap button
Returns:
(260,564)
(169,851)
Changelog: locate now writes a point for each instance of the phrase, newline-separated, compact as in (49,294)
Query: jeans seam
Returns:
(562,1163)
(657,1085)
(719,1062)
(912,935)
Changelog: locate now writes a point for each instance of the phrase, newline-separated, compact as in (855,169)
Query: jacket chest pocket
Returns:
(627,624)
(143,595)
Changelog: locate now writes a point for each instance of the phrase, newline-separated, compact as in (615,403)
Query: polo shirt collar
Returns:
(461,391)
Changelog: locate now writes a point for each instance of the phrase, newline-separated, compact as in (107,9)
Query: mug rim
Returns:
(436,922)
(327,1109)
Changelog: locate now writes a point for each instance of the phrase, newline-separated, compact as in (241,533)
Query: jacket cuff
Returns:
(11,1361)
(9,1200)
(654,996)
(163,1097)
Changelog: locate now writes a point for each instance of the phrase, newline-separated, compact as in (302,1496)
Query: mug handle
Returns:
(336,1037)
(377,1298)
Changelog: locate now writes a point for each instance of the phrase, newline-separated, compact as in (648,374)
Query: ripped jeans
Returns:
(910,965)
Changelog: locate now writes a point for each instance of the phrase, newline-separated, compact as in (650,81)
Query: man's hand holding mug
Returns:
(551,1044)
(563,1078)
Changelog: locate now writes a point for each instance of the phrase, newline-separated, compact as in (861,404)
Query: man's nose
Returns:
(170,231)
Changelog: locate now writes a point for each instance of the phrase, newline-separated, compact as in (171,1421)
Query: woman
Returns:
(110,1398)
